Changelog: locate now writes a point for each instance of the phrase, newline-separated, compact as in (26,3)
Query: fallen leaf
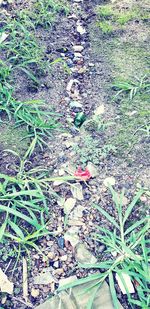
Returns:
(72,236)
(3,300)
(127,281)
(84,256)
(76,190)
(77,212)
(70,84)
(58,183)
(6,286)
(61,172)
(70,169)
(76,222)
(92,169)
(80,296)
(69,205)
(109,181)
(68,143)
(61,202)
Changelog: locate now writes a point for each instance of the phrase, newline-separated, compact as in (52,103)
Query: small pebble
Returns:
(64,258)
(56,264)
(78,48)
(35,292)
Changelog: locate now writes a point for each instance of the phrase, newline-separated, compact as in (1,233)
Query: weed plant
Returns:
(129,241)
(90,149)
(21,48)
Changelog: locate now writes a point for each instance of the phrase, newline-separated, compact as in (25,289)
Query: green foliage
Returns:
(111,14)
(38,120)
(24,202)
(90,149)
(105,11)
(132,97)
(129,241)
(21,203)
(132,87)
(22,49)
(123,18)
(45,11)
(105,26)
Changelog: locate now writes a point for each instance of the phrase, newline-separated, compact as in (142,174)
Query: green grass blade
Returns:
(132,204)
(2,230)
(19,215)
(113,291)
(134,226)
(110,219)
(16,229)
(91,300)
(80,281)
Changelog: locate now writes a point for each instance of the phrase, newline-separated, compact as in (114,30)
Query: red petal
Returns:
(84,175)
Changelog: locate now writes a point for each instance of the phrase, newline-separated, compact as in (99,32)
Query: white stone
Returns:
(78,48)
(109,181)
(80,29)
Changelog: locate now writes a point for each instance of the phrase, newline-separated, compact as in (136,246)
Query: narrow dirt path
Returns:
(79,91)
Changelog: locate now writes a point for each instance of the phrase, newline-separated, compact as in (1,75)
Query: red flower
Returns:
(84,175)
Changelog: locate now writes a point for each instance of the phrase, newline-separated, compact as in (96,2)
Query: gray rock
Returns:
(84,256)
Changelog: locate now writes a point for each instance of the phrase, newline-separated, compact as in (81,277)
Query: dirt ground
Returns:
(106,57)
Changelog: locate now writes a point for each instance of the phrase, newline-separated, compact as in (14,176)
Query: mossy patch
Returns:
(12,138)
(118,13)
(125,53)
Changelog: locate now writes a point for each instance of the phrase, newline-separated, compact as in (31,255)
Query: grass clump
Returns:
(128,240)
(33,115)
(117,15)
(45,11)
(105,26)
(132,126)
(21,47)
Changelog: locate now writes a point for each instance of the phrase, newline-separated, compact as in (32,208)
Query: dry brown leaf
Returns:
(69,205)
